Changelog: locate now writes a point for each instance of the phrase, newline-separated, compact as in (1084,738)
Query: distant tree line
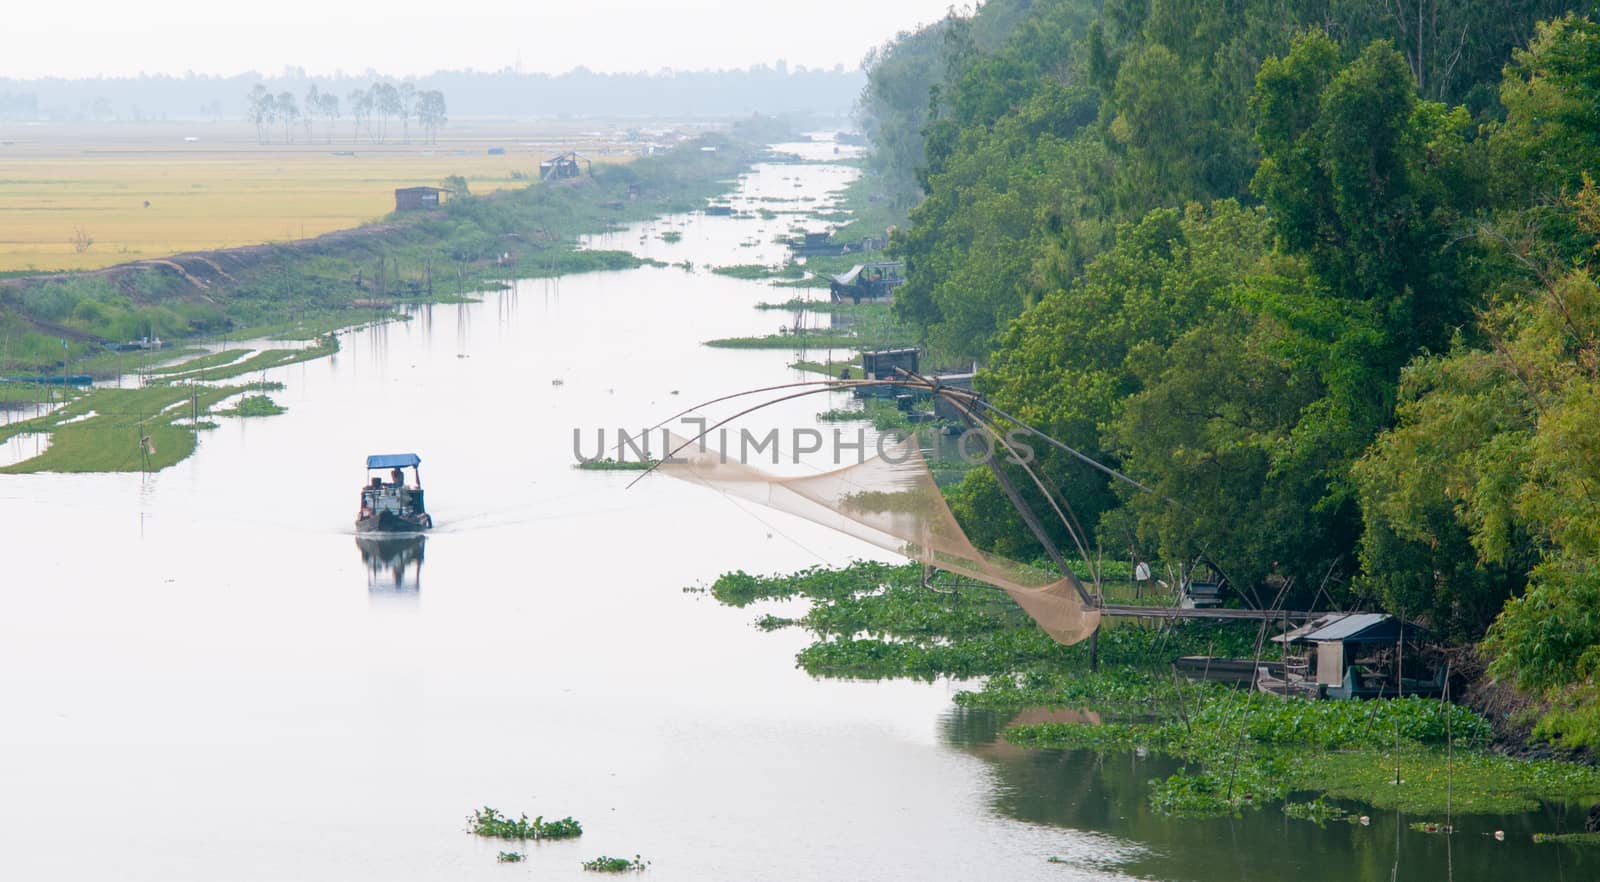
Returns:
(504,93)
(370,111)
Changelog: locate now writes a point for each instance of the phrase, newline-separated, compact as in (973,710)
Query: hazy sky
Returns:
(399,37)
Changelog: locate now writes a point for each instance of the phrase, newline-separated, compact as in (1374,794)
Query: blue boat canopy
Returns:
(393,460)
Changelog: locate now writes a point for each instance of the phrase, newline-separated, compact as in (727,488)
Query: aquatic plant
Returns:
(252,406)
(1580,839)
(755,271)
(833,369)
(883,415)
(875,620)
(1318,811)
(510,857)
(797,304)
(1314,746)
(604,864)
(615,465)
(489,822)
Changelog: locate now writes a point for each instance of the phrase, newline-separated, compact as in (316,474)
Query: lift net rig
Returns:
(891,501)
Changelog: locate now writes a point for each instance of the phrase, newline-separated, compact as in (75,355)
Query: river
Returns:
(204,676)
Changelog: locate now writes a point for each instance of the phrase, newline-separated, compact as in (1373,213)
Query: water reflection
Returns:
(1109,793)
(394,563)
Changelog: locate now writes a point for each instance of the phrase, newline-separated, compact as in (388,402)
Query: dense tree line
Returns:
(1319,275)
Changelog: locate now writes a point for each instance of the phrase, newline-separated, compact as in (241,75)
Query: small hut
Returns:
(942,408)
(867,282)
(419,198)
(1361,655)
(883,364)
(560,168)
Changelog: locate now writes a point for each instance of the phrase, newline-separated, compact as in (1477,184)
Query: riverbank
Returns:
(313,289)
(1238,751)
(471,243)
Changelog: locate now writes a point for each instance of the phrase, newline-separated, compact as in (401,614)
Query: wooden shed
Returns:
(562,167)
(418,198)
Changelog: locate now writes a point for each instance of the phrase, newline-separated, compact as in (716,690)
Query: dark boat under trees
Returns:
(392,506)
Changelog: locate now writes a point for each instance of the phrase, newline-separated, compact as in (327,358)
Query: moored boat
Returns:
(392,506)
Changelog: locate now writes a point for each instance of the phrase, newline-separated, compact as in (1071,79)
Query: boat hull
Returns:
(389,522)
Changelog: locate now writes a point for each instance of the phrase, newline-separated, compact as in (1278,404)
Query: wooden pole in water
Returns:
(1399,689)
(1182,713)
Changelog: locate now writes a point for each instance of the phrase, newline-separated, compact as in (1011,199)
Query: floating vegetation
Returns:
(252,406)
(616,465)
(835,369)
(510,857)
(884,415)
(754,271)
(815,281)
(671,237)
(875,620)
(604,864)
(1241,749)
(1340,749)
(814,339)
(1318,811)
(488,822)
(1583,839)
(797,304)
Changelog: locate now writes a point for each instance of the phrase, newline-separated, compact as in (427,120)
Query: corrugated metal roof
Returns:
(392,460)
(1347,627)
(1300,633)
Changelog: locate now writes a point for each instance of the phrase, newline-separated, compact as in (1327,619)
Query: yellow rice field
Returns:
(83,197)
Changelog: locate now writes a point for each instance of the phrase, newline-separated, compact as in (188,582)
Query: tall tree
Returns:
(405,106)
(432,114)
(287,112)
(386,102)
(361,105)
(259,111)
(329,109)
(313,110)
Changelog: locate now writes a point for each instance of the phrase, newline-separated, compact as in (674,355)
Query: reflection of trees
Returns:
(1109,794)
(393,563)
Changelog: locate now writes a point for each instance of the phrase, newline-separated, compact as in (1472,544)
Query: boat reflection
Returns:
(394,562)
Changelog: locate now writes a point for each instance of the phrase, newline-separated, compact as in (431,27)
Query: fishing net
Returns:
(891,501)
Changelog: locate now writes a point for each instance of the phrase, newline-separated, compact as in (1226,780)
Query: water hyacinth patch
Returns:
(489,822)
(605,864)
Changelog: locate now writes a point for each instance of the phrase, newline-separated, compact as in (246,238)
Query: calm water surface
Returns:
(204,675)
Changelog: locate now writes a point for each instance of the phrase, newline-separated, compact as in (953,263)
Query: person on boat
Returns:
(398,476)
